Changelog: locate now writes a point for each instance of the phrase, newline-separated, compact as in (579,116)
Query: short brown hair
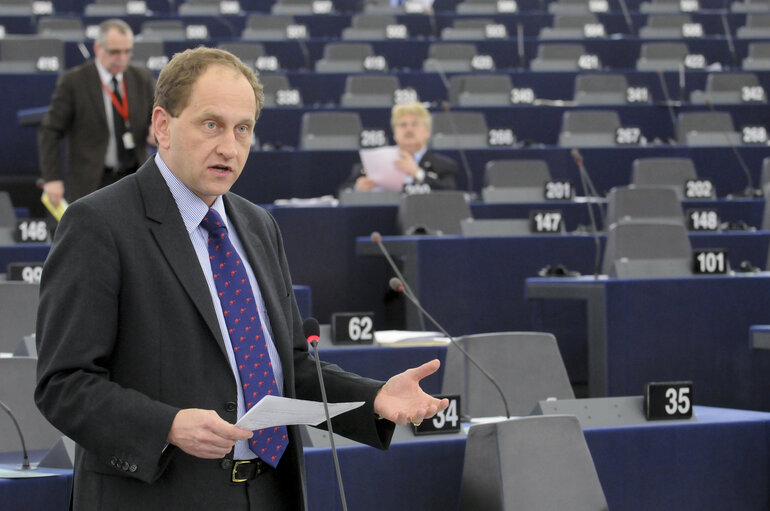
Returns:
(414,108)
(172,92)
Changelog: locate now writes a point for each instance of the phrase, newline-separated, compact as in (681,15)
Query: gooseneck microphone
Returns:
(25,463)
(588,189)
(377,239)
(312,331)
(400,287)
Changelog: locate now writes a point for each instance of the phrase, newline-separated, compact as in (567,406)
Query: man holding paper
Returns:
(390,168)
(166,312)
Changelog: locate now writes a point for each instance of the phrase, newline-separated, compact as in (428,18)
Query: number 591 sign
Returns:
(668,400)
(447,421)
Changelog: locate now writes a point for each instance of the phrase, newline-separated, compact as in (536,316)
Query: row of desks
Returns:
(717,462)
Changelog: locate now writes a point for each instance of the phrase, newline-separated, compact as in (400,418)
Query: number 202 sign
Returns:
(668,400)
(447,421)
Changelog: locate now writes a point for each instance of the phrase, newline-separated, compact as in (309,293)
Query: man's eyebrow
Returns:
(208,114)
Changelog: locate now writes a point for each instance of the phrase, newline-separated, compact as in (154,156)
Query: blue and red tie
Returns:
(245,329)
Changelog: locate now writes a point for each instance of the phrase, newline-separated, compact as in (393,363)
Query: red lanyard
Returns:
(120,106)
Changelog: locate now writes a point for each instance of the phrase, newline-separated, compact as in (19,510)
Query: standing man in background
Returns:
(103,108)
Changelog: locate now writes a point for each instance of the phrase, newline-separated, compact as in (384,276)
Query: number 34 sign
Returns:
(447,421)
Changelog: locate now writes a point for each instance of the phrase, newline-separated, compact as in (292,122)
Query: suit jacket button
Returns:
(226,464)
(125,466)
(230,406)
(132,468)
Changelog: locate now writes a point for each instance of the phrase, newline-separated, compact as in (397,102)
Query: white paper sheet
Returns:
(380,165)
(283,411)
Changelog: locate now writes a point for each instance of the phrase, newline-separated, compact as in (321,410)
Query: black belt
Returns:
(244,470)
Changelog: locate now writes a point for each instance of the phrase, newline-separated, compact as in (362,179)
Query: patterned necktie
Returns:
(245,330)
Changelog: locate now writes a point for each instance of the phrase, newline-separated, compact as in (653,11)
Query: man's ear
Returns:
(161,125)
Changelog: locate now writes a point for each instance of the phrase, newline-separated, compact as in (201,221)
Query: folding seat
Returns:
(658,56)
(758,57)
(467,29)
(659,172)
(271,84)
(645,204)
(477,7)
(557,57)
(149,54)
(18,312)
(515,181)
(295,7)
(600,89)
(661,7)
(330,130)
(438,212)
(369,27)
(459,129)
(369,90)
(664,26)
(589,128)
(344,58)
(113,8)
(28,54)
(480,90)
(570,26)
(757,26)
(162,30)
(638,250)
(706,129)
(450,57)
(729,89)
(260,27)
(66,29)
(750,6)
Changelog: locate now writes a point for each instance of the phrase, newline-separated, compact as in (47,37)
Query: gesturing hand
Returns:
(401,400)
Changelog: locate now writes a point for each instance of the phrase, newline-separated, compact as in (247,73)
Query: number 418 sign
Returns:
(447,421)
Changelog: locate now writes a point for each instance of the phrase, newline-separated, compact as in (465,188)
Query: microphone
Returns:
(520,44)
(377,239)
(729,38)
(446,107)
(399,286)
(25,463)
(311,330)
(589,190)
(627,17)
(669,104)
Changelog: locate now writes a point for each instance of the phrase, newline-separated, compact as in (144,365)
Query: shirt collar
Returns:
(105,76)
(191,207)
(419,154)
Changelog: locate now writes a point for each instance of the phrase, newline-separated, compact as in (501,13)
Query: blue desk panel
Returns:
(643,330)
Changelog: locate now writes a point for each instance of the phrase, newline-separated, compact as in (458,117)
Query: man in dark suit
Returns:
(138,362)
(411,125)
(103,109)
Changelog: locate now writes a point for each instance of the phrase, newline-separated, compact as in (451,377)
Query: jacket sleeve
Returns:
(55,126)
(123,430)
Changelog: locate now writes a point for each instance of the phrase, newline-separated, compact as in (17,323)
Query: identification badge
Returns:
(128,140)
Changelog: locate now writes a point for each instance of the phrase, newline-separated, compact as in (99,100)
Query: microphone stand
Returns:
(311,332)
(25,463)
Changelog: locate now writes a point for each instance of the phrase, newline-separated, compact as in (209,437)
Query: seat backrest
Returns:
(493,227)
(438,212)
(527,463)
(18,312)
(574,20)
(372,21)
(561,51)
(330,130)
(732,82)
(163,30)
(703,122)
(643,203)
(647,250)
(7,213)
(459,129)
(590,121)
(759,50)
(668,20)
(53,25)
(246,51)
(368,84)
(264,22)
(600,83)
(348,51)
(527,366)
(30,49)
(17,387)
(516,173)
(758,20)
(669,172)
(452,51)
(664,51)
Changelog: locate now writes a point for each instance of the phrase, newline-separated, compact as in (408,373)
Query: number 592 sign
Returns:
(668,400)
(447,421)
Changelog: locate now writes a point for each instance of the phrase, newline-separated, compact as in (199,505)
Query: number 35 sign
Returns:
(668,400)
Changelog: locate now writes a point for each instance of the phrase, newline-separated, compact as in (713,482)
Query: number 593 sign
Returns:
(447,421)
(668,400)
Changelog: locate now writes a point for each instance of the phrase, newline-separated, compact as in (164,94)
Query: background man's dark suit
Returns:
(77,112)
(440,172)
(142,341)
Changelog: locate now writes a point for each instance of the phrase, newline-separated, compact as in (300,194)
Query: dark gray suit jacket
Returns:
(77,113)
(127,335)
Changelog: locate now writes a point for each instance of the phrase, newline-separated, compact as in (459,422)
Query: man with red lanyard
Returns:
(103,109)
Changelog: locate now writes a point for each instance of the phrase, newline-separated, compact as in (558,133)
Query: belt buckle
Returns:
(234,478)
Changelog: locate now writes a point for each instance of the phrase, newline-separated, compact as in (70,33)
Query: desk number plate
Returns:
(710,262)
(668,400)
(27,272)
(447,421)
(353,328)
(30,231)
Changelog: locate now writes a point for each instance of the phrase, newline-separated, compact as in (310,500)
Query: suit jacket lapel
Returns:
(94,89)
(170,234)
